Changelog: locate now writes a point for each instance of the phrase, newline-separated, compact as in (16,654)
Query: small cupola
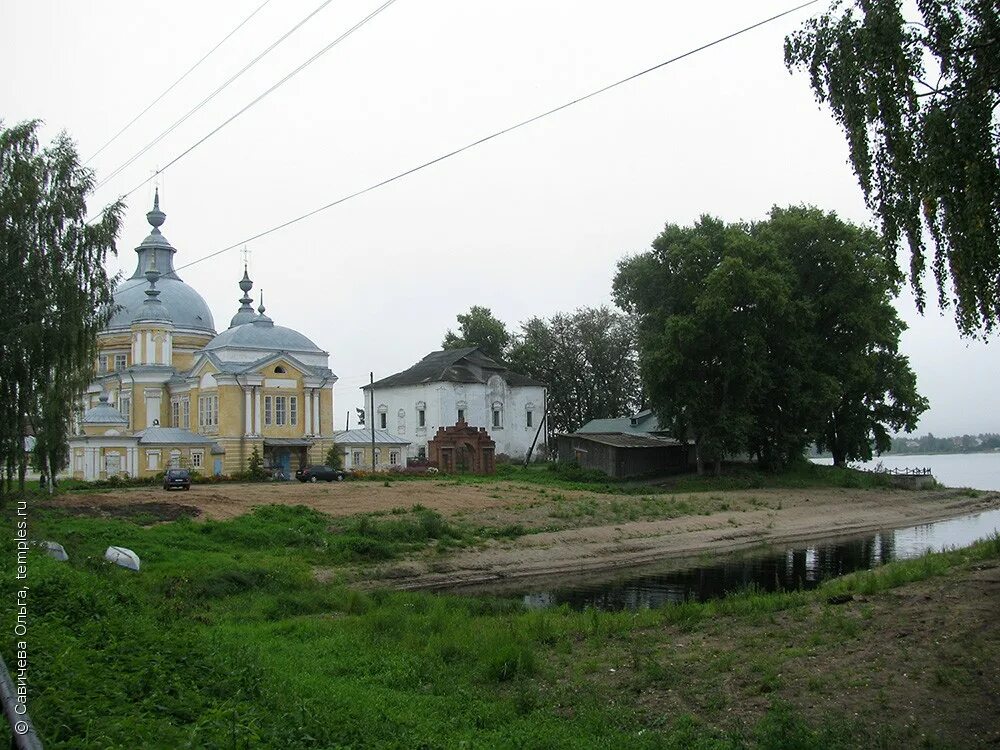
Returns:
(245,314)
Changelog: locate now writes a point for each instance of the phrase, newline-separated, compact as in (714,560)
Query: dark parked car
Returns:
(177,478)
(315,473)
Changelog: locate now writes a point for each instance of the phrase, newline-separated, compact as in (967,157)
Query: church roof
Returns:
(103,413)
(465,365)
(184,306)
(263,335)
(171,435)
(239,368)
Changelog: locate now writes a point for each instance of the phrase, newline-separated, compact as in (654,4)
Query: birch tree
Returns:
(55,294)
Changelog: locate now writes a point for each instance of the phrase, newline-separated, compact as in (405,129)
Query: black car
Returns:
(180,478)
(316,473)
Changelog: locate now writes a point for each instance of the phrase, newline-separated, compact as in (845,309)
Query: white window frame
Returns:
(280,411)
(175,412)
(197,459)
(293,410)
(125,405)
(393,458)
(208,411)
(268,410)
(186,413)
(175,459)
(121,362)
(102,364)
(357,458)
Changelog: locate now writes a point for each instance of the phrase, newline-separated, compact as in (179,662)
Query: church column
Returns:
(248,414)
(256,410)
(308,413)
(316,411)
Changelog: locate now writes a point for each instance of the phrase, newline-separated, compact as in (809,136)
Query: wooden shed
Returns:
(622,455)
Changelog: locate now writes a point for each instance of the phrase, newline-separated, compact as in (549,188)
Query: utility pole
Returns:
(371,416)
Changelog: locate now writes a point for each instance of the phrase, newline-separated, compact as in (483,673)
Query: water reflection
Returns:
(795,568)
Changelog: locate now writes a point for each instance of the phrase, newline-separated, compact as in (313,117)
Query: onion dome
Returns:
(184,305)
(245,313)
(153,310)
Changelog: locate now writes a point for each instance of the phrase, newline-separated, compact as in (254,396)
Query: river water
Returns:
(978,470)
(802,566)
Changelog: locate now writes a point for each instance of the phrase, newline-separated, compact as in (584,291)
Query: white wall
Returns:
(442,399)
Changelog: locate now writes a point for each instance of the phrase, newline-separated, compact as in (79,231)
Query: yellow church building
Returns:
(170,391)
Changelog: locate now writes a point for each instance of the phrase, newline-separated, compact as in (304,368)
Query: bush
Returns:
(571,471)
(255,466)
(334,457)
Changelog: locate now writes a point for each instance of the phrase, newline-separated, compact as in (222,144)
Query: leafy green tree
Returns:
(763,338)
(587,359)
(862,387)
(54,292)
(917,100)
(711,305)
(335,457)
(479,327)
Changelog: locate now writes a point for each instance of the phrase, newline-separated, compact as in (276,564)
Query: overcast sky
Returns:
(531,223)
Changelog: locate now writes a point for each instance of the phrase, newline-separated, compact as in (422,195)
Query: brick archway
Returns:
(463,448)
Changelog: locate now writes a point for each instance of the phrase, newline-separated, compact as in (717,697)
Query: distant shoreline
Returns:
(892,454)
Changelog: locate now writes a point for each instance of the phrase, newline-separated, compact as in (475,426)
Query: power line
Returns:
(490,137)
(172,85)
(211,96)
(280,83)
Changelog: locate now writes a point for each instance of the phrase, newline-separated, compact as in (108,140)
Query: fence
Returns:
(901,472)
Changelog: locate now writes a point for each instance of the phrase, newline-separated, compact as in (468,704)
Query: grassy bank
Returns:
(225,640)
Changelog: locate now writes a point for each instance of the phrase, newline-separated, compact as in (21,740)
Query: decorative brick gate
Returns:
(461,448)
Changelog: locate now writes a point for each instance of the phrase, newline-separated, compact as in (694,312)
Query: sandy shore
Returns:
(561,543)
(795,516)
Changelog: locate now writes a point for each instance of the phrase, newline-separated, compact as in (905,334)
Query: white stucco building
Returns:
(454,385)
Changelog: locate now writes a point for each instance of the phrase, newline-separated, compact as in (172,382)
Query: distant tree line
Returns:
(587,358)
(981,443)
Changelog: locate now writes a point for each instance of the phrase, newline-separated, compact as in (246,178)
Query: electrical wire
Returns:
(487,138)
(174,84)
(211,96)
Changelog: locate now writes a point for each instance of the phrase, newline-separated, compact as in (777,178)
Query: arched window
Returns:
(279,370)
(497,415)
(383,416)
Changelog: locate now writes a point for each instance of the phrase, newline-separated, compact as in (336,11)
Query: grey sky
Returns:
(529,224)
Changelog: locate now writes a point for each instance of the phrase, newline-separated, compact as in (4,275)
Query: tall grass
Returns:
(226,640)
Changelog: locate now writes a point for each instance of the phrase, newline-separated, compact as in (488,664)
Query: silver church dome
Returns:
(185,306)
(263,334)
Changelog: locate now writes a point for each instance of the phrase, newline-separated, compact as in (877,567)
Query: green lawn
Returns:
(225,640)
